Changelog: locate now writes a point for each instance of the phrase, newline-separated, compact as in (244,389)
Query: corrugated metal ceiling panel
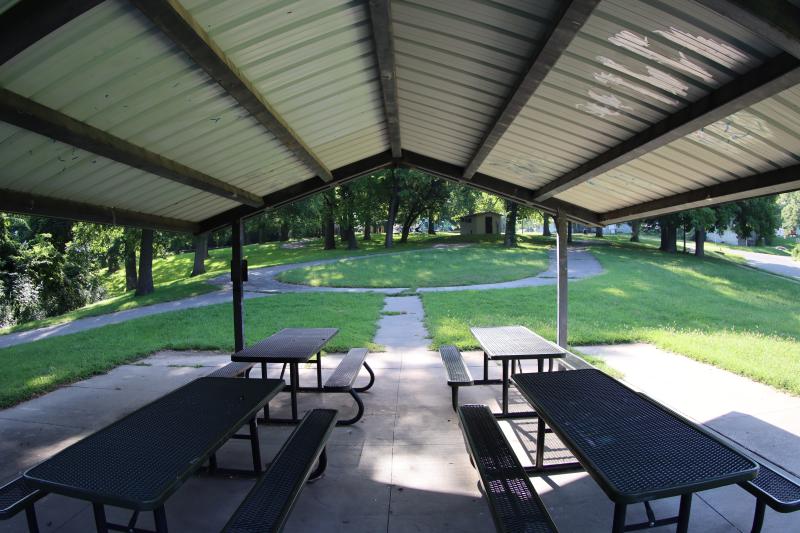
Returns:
(630,66)
(314,62)
(457,63)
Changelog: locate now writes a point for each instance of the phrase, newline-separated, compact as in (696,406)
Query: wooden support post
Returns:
(238,284)
(561,253)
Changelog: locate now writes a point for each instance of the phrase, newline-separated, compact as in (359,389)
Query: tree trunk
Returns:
(569,232)
(598,232)
(431,231)
(144,285)
(200,253)
(407,228)
(394,204)
(368,229)
(636,226)
(699,241)
(545,225)
(328,225)
(510,240)
(284,231)
(209,242)
(130,266)
(669,237)
(352,243)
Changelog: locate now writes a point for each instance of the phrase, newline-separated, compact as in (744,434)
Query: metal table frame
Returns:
(512,344)
(526,383)
(105,448)
(290,346)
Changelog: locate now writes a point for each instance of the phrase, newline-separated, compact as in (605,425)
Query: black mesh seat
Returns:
(774,489)
(457,372)
(16,496)
(344,377)
(232,370)
(514,503)
(268,505)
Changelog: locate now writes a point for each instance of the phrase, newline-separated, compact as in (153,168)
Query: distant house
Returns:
(482,223)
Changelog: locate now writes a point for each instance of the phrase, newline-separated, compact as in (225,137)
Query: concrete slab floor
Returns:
(403,467)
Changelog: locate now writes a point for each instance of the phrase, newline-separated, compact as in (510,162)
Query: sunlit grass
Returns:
(711,310)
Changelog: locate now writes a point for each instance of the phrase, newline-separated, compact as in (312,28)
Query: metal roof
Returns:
(186,114)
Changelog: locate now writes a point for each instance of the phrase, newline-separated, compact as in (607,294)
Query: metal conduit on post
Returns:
(237,278)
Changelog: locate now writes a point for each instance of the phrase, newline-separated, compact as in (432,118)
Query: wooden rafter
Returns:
(772,77)
(383,37)
(177,24)
(767,183)
(27,114)
(566,26)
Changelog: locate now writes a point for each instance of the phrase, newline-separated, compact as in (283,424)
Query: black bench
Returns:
(232,370)
(457,372)
(513,501)
(16,496)
(774,489)
(344,377)
(268,504)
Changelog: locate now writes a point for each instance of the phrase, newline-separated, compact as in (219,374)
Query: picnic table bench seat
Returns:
(458,374)
(232,370)
(513,501)
(16,496)
(774,489)
(344,377)
(268,505)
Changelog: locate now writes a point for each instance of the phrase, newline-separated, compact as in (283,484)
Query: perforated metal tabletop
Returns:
(290,345)
(515,342)
(140,460)
(635,448)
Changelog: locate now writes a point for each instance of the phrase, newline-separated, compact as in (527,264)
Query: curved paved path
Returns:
(262,283)
(776,264)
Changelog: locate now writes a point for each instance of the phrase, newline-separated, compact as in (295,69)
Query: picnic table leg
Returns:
(254,446)
(294,380)
(100,518)
(683,514)
(319,370)
(550,365)
(540,434)
(619,518)
(485,366)
(540,365)
(264,376)
(161,519)
(505,386)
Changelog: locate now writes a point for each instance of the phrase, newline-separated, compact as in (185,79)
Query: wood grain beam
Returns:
(383,36)
(770,78)
(27,114)
(177,24)
(567,24)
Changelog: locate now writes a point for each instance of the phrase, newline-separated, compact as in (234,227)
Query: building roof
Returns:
(185,114)
(493,213)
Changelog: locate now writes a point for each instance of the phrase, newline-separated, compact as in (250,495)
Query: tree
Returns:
(510,240)
(420,193)
(200,254)
(598,232)
(668,226)
(347,216)
(759,216)
(636,226)
(789,204)
(700,220)
(144,285)
(131,236)
(328,223)
(545,225)
(392,190)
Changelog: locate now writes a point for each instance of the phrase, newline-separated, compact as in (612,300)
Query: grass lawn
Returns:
(38,367)
(487,262)
(172,281)
(711,310)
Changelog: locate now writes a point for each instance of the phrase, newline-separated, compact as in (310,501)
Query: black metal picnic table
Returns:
(512,344)
(290,346)
(636,449)
(140,460)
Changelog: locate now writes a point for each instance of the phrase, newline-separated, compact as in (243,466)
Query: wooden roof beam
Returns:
(177,24)
(32,204)
(27,114)
(383,36)
(764,184)
(567,24)
(764,81)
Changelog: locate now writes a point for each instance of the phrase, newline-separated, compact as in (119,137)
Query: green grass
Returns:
(481,263)
(37,367)
(711,310)
(172,282)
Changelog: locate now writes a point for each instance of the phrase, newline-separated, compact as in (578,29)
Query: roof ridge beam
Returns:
(27,114)
(34,204)
(28,21)
(567,24)
(179,26)
(764,184)
(777,21)
(301,190)
(500,187)
(762,82)
(380,13)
